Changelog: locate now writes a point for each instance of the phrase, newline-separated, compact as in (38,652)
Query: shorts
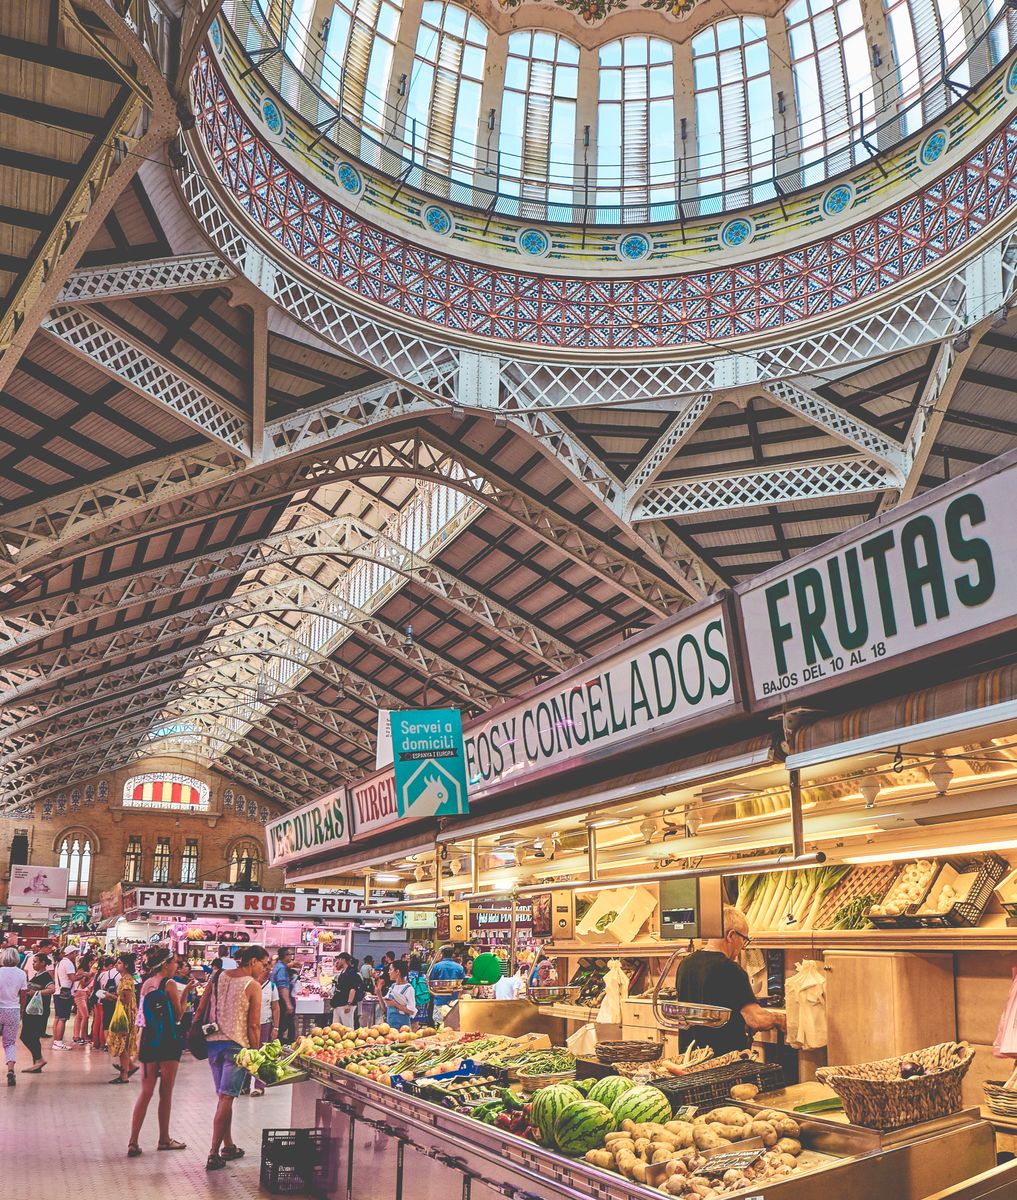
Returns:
(62,1007)
(229,1079)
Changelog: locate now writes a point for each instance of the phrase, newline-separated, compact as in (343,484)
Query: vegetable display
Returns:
(271,1063)
(787,899)
(909,888)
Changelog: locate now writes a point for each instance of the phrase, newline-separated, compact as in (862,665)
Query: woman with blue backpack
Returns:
(162,1005)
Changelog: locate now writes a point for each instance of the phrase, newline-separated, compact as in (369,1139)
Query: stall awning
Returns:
(979,702)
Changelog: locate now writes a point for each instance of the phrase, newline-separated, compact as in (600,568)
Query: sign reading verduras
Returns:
(430,772)
(309,830)
(675,676)
(934,570)
(340,906)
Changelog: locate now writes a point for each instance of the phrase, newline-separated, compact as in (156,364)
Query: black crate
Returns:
(295,1160)
(712,1085)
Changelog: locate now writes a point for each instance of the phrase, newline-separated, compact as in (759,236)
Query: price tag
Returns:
(739,1160)
(686,1112)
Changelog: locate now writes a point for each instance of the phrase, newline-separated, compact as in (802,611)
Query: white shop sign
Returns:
(339,906)
(677,675)
(308,830)
(937,569)
(37,888)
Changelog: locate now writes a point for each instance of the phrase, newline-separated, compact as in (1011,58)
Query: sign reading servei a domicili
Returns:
(676,675)
(933,571)
(308,830)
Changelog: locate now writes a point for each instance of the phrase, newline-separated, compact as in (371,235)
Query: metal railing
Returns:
(482,178)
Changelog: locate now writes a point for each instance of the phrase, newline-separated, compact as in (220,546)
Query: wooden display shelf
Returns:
(615,949)
(570,1012)
(998,937)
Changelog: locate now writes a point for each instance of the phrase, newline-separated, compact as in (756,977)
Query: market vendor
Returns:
(712,975)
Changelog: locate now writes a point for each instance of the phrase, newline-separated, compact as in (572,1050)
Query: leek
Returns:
(831,876)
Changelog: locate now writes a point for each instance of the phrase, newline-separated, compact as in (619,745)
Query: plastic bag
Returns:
(583,1043)
(1005,1045)
(118,1023)
(616,991)
(805,1002)
(35,1006)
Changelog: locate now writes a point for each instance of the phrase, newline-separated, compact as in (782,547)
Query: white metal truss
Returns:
(664,449)
(142,370)
(840,425)
(750,489)
(186,272)
(339,537)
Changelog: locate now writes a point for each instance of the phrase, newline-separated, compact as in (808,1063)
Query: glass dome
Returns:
(604,112)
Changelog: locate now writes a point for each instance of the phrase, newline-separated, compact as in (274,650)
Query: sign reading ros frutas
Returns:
(311,829)
(936,569)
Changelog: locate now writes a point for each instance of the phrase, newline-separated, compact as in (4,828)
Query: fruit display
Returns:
(642,1104)
(548,1105)
(582,1127)
(675,1156)
(609,1089)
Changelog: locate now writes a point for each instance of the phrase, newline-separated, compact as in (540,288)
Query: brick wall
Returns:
(95,808)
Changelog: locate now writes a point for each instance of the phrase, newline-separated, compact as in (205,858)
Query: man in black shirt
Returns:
(712,976)
(346,991)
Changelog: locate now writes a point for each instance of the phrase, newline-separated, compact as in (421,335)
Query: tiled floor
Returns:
(64,1133)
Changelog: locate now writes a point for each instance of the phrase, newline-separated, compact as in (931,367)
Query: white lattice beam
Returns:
(839,424)
(666,446)
(140,369)
(750,489)
(185,273)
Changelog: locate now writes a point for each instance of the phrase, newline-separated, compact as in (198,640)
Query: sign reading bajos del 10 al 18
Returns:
(937,569)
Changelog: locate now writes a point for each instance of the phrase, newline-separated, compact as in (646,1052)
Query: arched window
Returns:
(357,63)
(734,110)
(833,81)
(538,115)
(75,856)
(635,122)
(443,103)
(179,793)
(245,862)
(916,27)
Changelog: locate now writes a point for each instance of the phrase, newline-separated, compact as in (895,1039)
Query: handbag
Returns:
(35,1006)
(197,1042)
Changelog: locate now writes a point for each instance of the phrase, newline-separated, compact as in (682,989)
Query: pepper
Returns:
(513,1101)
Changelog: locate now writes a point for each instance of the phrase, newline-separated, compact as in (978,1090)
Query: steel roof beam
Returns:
(182,273)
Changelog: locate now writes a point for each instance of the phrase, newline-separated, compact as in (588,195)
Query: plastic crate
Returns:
(295,1160)
(906,919)
(713,1085)
(969,912)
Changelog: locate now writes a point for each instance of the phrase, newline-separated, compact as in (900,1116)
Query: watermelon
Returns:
(547,1106)
(607,1090)
(587,1085)
(642,1104)
(582,1127)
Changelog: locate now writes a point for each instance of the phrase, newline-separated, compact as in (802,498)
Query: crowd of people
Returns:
(397,987)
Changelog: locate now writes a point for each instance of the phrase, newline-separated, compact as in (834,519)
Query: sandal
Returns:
(32,1070)
(172,1144)
(133,1071)
(117,1079)
(133,1150)
(230,1153)
(215,1162)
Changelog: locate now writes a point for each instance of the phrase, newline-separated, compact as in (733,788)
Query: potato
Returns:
(788,1145)
(677,1185)
(788,1160)
(600,1158)
(660,1156)
(764,1130)
(681,1131)
(787,1127)
(642,1145)
(728,1116)
(639,1172)
(744,1091)
(707,1139)
(625,1162)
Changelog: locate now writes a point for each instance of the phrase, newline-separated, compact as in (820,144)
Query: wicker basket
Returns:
(1000,1100)
(876,1097)
(629,1052)
(532,1082)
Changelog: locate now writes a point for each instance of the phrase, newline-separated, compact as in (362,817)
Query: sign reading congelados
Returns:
(679,673)
(676,674)
(308,830)
(933,570)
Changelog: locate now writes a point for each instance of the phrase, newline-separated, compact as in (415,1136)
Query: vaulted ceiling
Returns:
(224,537)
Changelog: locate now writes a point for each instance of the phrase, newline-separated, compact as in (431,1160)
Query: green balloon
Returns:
(486,970)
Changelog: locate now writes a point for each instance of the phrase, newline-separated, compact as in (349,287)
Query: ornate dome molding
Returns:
(863,264)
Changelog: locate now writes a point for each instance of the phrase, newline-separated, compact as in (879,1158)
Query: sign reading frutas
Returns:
(320,825)
(340,906)
(893,589)
(675,676)
(430,769)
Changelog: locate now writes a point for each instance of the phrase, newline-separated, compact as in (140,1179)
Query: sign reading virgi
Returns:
(928,572)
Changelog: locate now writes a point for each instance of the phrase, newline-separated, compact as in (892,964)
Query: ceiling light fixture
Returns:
(938,851)
(388,877)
